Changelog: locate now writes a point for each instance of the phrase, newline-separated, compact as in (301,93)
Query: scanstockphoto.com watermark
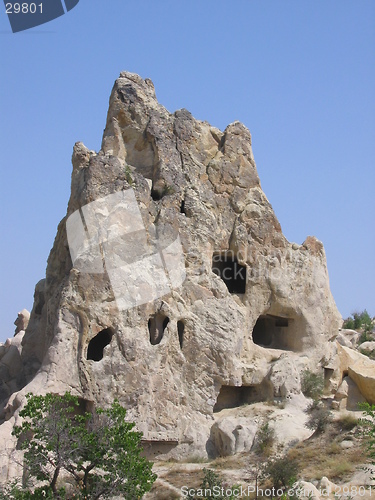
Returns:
(251,490)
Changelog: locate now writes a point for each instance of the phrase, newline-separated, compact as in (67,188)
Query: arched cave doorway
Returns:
(97,344)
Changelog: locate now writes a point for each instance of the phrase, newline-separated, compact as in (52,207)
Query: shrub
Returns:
(265,438)
(347,422)
(312,384)
(128,175)
(319,417)
(282,472)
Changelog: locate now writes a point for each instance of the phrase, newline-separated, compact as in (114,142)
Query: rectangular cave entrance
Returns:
(233,396)
(277,332)
(227,267)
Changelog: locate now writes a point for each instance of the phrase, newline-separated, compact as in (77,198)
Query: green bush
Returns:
(312,384)
(265,438)
(319,416)
(347,422)
(128,175)
(282,472)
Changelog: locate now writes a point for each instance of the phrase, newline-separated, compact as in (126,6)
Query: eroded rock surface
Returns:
(252,313)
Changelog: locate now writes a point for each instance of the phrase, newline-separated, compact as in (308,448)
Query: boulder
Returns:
(232,435)
(285,378)
(367,347)
(360,369)
(349,395)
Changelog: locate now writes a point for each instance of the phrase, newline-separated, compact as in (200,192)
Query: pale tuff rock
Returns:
(11,366)
(232,435)
(367,347)
(360,369)
(252,313)
(348,338)
(22,321)
(349,395)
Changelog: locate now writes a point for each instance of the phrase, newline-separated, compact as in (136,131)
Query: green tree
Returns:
(99,452)
(360,320)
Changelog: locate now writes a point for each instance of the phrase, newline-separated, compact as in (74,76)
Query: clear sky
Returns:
(299,74)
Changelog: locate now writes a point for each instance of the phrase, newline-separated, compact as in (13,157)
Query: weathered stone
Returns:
(232,435)
(360,369)
(347,338)
(349,395)
(22,321)
(285,377)
(367,347)
(167,360)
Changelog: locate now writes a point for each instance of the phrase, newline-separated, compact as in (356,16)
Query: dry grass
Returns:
(323,456)
(347,422)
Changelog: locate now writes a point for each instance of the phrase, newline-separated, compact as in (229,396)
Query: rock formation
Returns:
(22,321)
(252,312)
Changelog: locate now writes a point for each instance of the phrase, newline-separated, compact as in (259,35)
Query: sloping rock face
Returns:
(248,297)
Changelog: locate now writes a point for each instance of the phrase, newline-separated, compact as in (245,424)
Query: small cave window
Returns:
(156,326)
(226,266)
(96,346)
(181,330)
(182,207)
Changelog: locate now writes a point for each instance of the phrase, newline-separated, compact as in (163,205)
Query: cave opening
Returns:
(233,396)
(226,266)
(156,326)
(278,332)
(97,344)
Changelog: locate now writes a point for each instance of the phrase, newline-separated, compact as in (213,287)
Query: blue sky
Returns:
(299,75)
